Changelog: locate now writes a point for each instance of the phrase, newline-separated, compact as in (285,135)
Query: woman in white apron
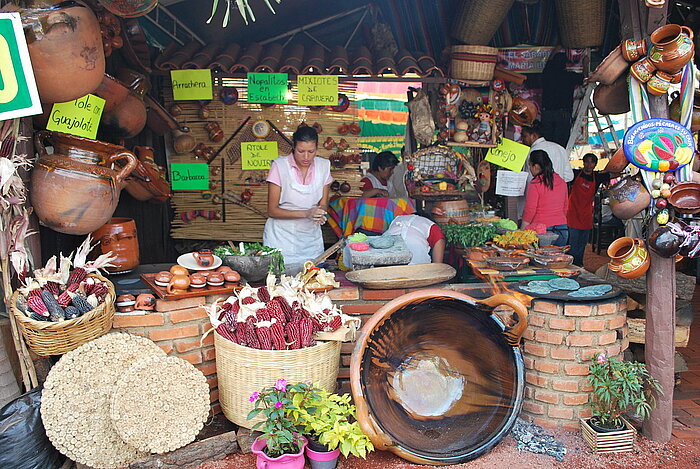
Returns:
(297,200)
(376,183)
(421,237)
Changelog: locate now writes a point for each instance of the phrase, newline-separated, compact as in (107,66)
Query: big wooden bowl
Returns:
(402,276)
(437,378)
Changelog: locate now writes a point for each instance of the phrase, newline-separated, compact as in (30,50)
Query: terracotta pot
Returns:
(672,47)
(179,270)
(178,284)
(628,197)
(145,302)
(685,197)
(643,70)
(612,99)
(664,242)
(147,182)
(628,257)
(183,142)
(124,114)
(618,162)
(475,389)
(162,278)
(523,112)
(65,46)
(452,211)
(129,8)
(658,84)
(119,236)
(74,190)
(632,50)
(204,257)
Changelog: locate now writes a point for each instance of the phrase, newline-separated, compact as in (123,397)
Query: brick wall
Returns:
(559,340)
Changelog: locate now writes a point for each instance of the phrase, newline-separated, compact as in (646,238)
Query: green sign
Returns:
(257,155)
(18,94)
(267,87)
(79,117)
(318,90)
(509,154)
(191,84)
(189,176)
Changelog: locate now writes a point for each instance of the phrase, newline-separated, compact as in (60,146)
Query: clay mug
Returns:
(179,270)
(204,257)
(629,257)
(145,302)
(232,276)
(178,284)
(633,50)
(198,281)
(672,47)
(215,279)
(223,269)
(659,83)
(162,278)
(125,303)
(643,70)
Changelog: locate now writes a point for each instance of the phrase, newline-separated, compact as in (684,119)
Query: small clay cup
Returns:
(232,276)
(179,270)
(198,281)
(162,278)
(658,84)
(204,257)
(178,284)
(215,279)
(125,303)
(643,70)
(223,269)
(145,302)
(633,50)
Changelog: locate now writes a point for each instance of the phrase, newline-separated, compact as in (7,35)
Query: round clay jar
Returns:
(179,270)
(223,269)
(125,303)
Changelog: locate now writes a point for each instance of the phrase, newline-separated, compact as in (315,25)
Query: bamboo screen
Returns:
(237,222)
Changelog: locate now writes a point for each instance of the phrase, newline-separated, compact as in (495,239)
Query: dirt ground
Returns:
(681,454)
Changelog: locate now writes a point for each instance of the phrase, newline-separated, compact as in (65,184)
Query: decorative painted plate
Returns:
(343,103)
(261,129)
(658,145)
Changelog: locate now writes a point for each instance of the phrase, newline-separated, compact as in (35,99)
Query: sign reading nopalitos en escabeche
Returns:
(79,117)
(189,176)
(18,93)
(267,87)
(191,84)
(257,155)
(317,90)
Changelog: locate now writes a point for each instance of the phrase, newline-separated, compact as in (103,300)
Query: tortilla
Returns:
(563,284)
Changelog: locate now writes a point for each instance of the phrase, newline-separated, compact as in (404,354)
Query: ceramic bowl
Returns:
(162,278)
(251,268)
(554,261)
(685,197)
(508,262)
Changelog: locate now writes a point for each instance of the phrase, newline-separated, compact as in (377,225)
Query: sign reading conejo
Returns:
(257,155)
(191,84)
(189,176)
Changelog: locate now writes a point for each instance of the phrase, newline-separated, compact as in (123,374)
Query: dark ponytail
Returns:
(541,158)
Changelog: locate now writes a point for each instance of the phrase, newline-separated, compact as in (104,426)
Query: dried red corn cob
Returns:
(275,310)
(99,289)
(226,306)
(225,333)
(251,337)
(77,275)
(306,332)
(35,292)
(53,287)
(37,305)
(235,306)
(284,305)
(263,294)
(72,287)
(248,300)
(317,326)
(264,337)
(293,339)
(334,324)
(277,331)
(262,314)
(240,334)
(64,299)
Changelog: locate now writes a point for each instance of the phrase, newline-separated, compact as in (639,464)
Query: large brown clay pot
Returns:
(612,99)
(628,197)
(628,257)
(426,393)
(119,237)
(147,182)
(672,47)
(65,45)
(74,190)
(124,114)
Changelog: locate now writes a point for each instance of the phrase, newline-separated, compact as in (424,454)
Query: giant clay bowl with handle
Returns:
(437,377)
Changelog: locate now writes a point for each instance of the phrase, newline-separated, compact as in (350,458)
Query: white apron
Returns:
(414,231)
(377,184)
(299,239)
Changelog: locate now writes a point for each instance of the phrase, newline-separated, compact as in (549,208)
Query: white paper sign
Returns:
(510,183)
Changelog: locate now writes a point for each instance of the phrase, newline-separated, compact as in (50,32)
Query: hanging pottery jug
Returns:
(672,47)
(633,50)
(65,46)
(147,182)
(628,257)
(74,190)
(119,237)
(124,114)
(628,197)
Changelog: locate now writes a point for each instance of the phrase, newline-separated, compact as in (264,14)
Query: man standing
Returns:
(579,215)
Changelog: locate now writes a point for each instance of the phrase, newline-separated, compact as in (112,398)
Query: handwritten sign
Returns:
(509,154)
(191,84)
(317,90)
(510,183)
(189,176)
(79,117)
(18,93)
(267,87)
(257,155)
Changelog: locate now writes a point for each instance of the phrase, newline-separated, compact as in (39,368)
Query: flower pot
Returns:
(320,457)
(628,197)
(286,461)
(609,441)
(75,190)
(628,257)
(119,236)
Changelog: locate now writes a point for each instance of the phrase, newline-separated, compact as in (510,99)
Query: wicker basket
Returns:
(581,23)
(56,338)
(241,371)
(473,62)
(477,20)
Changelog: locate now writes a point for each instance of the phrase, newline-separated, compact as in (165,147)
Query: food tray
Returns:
(563,295)
(149,279)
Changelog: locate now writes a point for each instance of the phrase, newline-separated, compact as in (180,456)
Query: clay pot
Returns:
(145,302)
(204,257)
(628,257)
(628,197)
(632,50)
(178,284)
(162,278)
(618,162)
(523,112)
(65,46)
(179,270)
(658,84)
(198,281)
(643,70)
(672,47)
(74,190)
(124,115)
(183,142)
(119,236)
(685,197)
(664,242)
(223,269)
(612,99)
(232,276)
(147,182)
(451,211)
(130,8)
(125,303)
(215,279)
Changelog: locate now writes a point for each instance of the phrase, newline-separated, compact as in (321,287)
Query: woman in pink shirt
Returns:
(546,199)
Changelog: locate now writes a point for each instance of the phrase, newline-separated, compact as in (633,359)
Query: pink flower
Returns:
(602,358)
(254,397)
(281,385)
(278,405)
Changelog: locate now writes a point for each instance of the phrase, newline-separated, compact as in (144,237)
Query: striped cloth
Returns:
(348,214)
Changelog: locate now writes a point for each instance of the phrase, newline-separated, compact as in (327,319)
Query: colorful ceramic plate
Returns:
(343,103)
(261,129)
(658,145)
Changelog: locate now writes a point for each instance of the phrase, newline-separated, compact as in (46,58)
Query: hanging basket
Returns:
(57,338)
(473,62)
(477,20)
(581,23)
(241,371)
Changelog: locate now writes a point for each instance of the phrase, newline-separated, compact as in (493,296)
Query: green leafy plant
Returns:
(619,386)
(473,234)
(279,431)
(328,418)
(256,250)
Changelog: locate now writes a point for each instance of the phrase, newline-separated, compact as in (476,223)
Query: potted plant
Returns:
(329,422)
(618,387)
(280,445)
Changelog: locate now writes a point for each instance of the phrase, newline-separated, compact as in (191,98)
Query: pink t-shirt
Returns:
(274,175)
(544,205)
